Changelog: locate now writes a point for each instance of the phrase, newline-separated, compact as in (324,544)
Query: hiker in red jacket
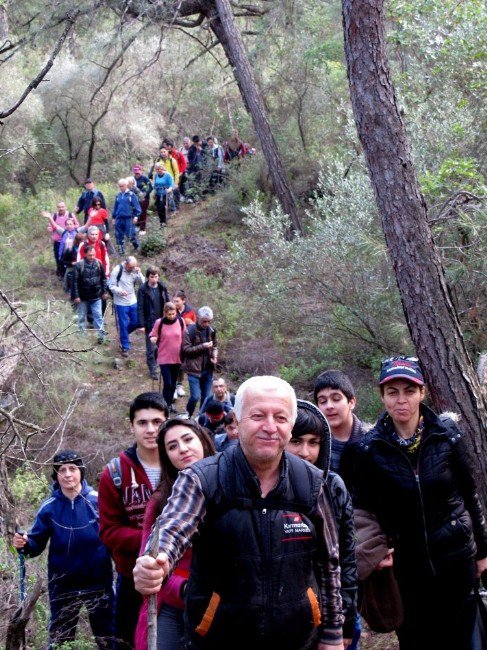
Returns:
(126,485)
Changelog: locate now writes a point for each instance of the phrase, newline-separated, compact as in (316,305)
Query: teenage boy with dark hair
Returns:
(334,395)
(126,485)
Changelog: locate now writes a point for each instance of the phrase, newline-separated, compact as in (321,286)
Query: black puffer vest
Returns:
(252,582)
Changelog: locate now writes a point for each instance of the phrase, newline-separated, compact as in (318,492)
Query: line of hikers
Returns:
(305,518)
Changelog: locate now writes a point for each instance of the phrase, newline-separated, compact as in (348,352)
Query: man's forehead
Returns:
(253,397)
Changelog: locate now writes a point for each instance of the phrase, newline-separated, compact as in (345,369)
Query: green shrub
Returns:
(28,487)
(153,243)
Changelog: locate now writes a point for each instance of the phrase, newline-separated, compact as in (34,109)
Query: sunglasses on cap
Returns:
(384,362)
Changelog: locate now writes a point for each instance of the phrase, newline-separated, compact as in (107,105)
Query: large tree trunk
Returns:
(225,29)
(431,317)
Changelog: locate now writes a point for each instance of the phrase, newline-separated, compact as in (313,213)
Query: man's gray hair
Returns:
(122,181)
(205,312)
(264,384)
(93,229)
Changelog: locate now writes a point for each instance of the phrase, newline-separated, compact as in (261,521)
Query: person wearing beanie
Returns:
(200,354)
(413,473)
(78,564)
(311,441)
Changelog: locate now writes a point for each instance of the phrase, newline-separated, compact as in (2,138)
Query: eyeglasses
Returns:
(399,358)
(97,204)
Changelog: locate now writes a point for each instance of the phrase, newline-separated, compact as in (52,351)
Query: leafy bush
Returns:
(29,488)
(153,242)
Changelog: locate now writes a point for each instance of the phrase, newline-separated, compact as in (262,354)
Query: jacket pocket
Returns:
(209,615)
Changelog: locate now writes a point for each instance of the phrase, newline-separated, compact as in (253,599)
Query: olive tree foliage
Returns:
(331,288)
(148,97)
(120,84)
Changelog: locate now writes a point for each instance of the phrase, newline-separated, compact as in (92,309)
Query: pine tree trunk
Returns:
(430,314)
(225,29)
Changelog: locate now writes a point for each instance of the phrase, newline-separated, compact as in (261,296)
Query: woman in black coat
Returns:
(412,471)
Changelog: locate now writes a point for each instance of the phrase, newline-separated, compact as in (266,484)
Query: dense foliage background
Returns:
(327,298)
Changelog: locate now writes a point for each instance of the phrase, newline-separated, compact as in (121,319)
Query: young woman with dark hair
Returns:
(180,443)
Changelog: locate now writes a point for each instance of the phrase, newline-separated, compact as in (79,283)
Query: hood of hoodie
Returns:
(323,461)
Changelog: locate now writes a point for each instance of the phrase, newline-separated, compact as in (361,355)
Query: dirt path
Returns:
(112,382)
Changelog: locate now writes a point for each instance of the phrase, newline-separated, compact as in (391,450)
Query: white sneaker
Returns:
(180,392)
(183,416)
(175,396)
(142,233)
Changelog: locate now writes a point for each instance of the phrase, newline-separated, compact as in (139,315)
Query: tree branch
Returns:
(35,82)
(34,334)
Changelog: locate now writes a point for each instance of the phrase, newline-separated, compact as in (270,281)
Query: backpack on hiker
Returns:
(119,275)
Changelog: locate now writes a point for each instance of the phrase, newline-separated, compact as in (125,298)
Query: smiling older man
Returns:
(265,560)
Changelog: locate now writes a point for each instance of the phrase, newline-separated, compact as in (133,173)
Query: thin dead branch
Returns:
(37,80)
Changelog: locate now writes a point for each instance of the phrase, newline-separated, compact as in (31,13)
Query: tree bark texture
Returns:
(430,314)
(227,32)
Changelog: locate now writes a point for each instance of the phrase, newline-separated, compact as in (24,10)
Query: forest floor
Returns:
(196,239)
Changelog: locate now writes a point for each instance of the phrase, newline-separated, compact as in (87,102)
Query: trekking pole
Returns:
(21,554)
(152,599)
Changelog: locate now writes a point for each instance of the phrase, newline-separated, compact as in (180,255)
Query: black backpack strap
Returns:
(119,274)
(159,330)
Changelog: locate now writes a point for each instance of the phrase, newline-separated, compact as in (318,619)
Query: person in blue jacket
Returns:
(125,214)
(85,200)
(79,566)
(163,189)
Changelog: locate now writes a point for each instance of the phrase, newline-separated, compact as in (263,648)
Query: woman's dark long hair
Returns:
(169,473)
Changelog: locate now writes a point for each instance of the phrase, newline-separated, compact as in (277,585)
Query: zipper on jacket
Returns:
(266,587)
(418,485)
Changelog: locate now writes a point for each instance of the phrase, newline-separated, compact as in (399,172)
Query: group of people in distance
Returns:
(82,251)
(274,541)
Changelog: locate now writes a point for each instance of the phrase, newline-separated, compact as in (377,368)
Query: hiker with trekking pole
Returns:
(79,566)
